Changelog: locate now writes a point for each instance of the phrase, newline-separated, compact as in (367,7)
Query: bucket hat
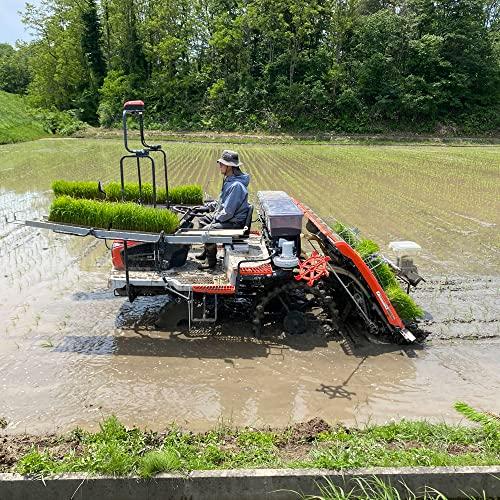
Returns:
(229,158)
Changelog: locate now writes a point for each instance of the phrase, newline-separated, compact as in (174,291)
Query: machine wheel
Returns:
(288,304)
(295,322)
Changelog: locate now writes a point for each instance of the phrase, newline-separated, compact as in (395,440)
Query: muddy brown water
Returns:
(72,354)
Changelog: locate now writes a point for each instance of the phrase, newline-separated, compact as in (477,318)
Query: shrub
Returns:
(190,194)
(107,215)
(58,122)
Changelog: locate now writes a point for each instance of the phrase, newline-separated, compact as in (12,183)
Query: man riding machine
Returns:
(230,211)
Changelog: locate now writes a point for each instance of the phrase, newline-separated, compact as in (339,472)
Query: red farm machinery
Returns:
(272,272)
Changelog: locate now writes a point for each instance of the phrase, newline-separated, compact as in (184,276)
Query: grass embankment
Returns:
(191,194)
(107,215)
(16,123)
(261,137)
(405,306)
(120,451)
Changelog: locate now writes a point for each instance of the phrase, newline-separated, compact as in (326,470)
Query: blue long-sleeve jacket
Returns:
(233,201)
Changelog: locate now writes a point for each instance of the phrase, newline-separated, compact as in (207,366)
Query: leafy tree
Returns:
(14,71)
(344,65)
(91,34)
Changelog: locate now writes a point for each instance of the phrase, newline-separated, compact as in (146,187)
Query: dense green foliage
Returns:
(191,194)
(16,122)
(355,65)
(120,451)
(107,215)
(58,122)
(14,70)
(405,306)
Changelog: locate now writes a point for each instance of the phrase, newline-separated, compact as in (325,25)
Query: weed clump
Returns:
(106,215)
(189,194)
(165,460)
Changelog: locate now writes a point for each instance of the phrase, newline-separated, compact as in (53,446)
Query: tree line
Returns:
(295,65)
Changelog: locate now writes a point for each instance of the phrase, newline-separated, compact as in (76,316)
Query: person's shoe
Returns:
(201,256)
(208,264)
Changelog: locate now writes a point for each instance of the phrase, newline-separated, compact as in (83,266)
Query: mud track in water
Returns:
(463,308)
(71,353)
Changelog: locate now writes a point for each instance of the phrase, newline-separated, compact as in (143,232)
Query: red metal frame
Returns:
(313,268)
(117,255)
(214,289)
(262,270)
(347,251)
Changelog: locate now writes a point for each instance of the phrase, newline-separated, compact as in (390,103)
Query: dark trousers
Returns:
(211,248)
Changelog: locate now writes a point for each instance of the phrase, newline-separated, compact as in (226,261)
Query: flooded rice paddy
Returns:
(71,353)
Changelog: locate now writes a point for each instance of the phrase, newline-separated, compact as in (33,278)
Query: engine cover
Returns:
(282,217)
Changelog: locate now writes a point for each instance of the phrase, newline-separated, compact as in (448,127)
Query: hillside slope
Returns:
(15,122)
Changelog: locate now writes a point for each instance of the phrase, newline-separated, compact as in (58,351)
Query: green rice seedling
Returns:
(131,192)
(80,189)
(405,306)
(189,194)
(383,272)
(402,302)
(346,233)
(107,215)
(365,248)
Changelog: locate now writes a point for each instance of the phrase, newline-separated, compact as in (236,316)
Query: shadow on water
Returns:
(180,345)
(339,390)
(215,345)
(227,339)
(94,295)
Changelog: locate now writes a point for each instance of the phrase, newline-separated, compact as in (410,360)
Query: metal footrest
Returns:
(205,312)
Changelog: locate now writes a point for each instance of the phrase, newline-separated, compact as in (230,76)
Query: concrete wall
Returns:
(276,484)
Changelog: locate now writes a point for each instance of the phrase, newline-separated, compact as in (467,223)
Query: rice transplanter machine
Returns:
(263,272)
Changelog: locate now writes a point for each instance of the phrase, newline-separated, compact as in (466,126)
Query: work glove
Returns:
(211,205)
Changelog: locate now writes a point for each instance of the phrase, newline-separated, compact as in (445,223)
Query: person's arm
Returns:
(233,201)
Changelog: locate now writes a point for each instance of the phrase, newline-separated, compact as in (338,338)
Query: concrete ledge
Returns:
(275,484)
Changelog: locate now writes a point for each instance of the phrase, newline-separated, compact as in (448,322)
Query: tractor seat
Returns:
(248,222)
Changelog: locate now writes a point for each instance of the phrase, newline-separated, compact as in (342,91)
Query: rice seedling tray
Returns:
(115,234)
(188,194)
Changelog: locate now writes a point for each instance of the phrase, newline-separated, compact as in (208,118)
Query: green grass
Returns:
(191,194)
(405,306)
(16,123)
(117,450)
(107,215)
(372,488)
